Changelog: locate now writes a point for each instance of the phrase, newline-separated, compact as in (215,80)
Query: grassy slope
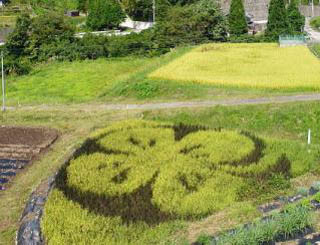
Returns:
(71,82)
(117,80)
(262,66)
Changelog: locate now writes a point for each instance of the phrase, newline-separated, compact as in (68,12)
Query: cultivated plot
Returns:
(246,65)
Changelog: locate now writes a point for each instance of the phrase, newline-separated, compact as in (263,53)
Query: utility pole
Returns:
(154,11)
(3,85)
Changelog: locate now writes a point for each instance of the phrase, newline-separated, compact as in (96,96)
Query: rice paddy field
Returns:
(265,66)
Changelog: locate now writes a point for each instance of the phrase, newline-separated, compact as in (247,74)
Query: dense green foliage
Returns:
(199,22)
(151,175)
(295,18)
(237,18)
(277,19)
(292,221)
(104,14)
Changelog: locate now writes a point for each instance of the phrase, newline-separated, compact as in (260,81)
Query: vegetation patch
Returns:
(137,182)
(265,66)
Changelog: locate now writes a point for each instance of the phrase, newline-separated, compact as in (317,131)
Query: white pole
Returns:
(309,136)
(3,85)
(154,11)
(312,8)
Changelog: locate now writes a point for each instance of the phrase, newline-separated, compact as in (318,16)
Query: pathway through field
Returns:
(173,105)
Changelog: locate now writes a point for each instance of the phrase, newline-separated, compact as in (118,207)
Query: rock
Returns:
(295,198)
(29,233)
(313,191)
(270,206)
(315,204)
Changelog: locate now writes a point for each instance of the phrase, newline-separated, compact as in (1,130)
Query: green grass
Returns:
(286,121)
(114,80)
(70,82)
(259,66)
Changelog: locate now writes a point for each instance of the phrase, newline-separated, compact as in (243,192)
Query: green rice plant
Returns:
(293,220)
(140,177)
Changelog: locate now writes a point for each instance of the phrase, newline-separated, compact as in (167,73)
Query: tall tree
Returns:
(277,20)
(295,18)
(19,38)
(104,14)
(237,18)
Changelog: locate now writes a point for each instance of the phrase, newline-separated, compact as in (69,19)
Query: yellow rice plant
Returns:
(257,65)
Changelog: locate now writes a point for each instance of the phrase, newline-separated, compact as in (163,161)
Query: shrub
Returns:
(237,18)
(104,14)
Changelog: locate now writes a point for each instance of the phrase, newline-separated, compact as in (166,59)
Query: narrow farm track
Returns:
(173,105)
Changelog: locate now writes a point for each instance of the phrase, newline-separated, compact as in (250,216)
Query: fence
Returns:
(289,40)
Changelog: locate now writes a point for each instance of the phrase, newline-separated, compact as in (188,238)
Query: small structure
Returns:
(1,4)
(292,40)
(72,13)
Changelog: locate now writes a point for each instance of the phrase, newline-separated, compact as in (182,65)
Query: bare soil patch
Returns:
(39,137)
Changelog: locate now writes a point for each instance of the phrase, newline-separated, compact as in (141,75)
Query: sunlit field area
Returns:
(246,65)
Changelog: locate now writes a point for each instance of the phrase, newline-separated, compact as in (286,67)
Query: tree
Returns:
(277,20)
(19,38)
(141,10)
(190,24)
(295,18)
(237,18)
(104,14)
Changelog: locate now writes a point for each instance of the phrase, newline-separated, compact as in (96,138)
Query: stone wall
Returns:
(258,9)
(307,10)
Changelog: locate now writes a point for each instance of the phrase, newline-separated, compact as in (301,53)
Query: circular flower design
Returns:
(190,172)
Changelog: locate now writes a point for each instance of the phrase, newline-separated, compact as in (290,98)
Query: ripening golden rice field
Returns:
(246,65)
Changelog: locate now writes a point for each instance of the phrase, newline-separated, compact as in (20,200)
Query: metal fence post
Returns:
(3,84)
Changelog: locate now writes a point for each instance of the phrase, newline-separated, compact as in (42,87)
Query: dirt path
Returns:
(173,105)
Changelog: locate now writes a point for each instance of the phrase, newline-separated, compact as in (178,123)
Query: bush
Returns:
(104,14)
(237,18)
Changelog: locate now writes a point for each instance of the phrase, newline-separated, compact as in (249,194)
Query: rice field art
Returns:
(259,65)
(139,182)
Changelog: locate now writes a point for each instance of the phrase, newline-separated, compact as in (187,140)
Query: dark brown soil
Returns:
(41,137)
